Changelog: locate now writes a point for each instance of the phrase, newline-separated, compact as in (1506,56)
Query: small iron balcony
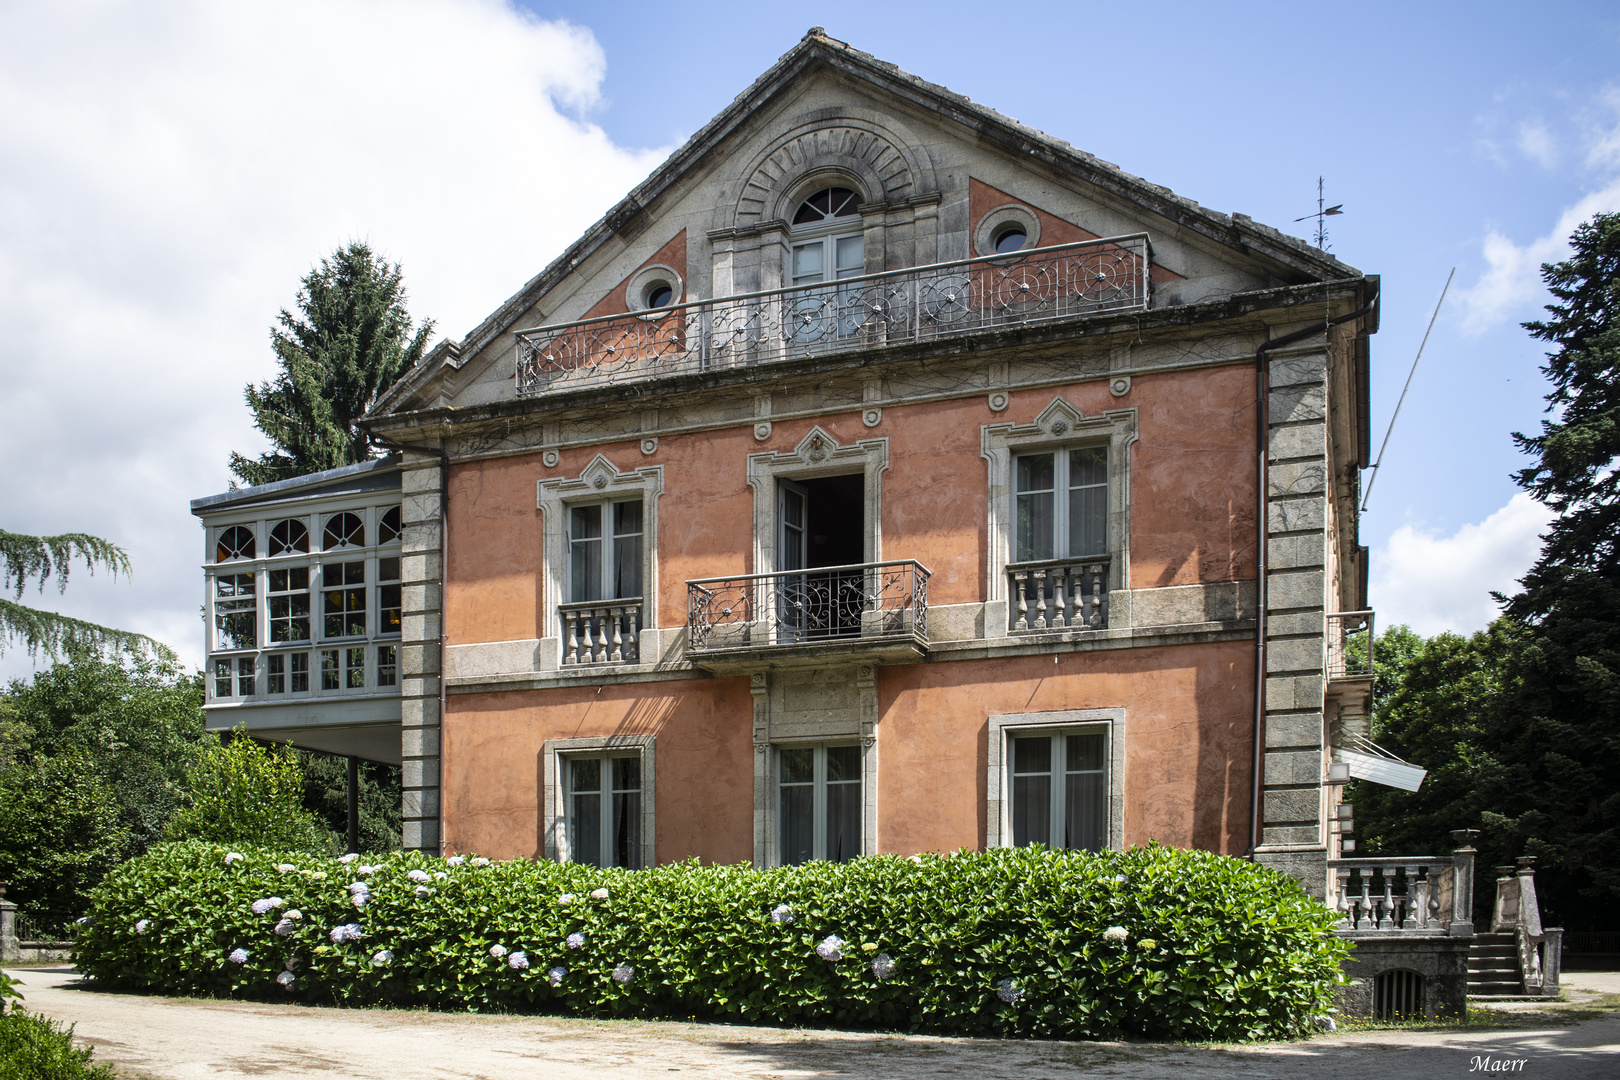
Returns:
(865,609)
(1349,644)
(897,307)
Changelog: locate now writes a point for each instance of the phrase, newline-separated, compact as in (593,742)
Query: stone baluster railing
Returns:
(1059,594)
(601,632)
(1393,895)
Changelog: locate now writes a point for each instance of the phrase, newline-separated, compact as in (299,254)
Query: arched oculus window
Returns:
(388,529)
(235,542)
(344,530)
(289,537)
(659,294)
(1011,238)
(826,204)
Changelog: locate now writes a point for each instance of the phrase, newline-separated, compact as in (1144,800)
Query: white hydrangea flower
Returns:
(1009,991)
(294,915)
(831,948)
(238,956)
(555,975)
(349,858)
(360,900)
(291,964)
(480,861)
(142,925)
(286,979)
(1120,879)
(623,974)
(358,887)
(497,951)
(269,903)
(1325,1023)
(781,913)
(917,859)
(285,927)
(518,961)
(566,898)
(576,940)
(440,875)
(285,867)
(382,958)
(423,892)
(883,965)
(419,875)
(233,857)
(1115,935)
(599,894)
(346,932)
(366,868)
(455,860)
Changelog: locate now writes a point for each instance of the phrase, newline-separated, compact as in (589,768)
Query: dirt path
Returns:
(183,1039)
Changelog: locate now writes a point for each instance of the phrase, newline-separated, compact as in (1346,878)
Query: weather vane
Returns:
(1322,214)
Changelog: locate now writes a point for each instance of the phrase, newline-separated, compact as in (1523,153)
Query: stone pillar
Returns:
(9,949)
(1293,834)
(422,571)
(1462,883)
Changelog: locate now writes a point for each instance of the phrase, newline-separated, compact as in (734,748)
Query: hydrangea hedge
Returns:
(1152,942)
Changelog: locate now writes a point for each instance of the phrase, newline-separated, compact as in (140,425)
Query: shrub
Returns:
(1151,942)
(242,793)
(35,1048)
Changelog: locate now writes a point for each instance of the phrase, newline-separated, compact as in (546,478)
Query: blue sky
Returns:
(170,169)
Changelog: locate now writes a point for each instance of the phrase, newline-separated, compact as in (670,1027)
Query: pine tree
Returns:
(36,558)
(350,341)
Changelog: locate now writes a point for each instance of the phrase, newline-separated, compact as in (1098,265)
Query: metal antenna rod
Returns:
(1385,445)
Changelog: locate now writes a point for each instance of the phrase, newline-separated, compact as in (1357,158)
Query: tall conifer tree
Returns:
(350,341)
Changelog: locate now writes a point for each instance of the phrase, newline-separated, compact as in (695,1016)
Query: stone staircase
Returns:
(1493,966)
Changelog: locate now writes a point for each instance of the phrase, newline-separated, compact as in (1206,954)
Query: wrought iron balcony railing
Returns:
(1349,644)
(1058,594)
(875,310)
(825,605)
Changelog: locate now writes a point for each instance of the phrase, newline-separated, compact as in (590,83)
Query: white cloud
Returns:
(1537,143)
(1511,285)
(168,171)
(1433,582)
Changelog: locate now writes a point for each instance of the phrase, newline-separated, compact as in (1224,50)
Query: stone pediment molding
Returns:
(823,151)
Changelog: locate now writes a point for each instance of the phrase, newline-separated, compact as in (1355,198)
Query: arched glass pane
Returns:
(388,529)
(235,543)
(833,202)
(288,537)
(344,530)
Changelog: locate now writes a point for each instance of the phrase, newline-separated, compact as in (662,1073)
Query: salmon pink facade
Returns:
(884,476)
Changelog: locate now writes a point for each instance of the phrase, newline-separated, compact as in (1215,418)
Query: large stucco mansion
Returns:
(880,475)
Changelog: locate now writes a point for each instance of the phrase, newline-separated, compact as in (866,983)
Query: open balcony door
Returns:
(792,553)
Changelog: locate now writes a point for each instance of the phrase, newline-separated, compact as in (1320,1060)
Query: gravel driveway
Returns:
(182,1039)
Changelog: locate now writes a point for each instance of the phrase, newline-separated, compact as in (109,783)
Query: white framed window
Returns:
(1058,788)
(287,594)
(1057,778)
(604,809)
(235,676)
(390,610)
(827,243)
(599,800)
(343,599)
(605,550)
(819,803)
(236,615)
(1061,502)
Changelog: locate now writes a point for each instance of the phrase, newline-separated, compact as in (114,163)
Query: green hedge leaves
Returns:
(1152,942)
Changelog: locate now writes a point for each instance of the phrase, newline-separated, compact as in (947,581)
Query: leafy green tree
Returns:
(350,342)
(140,722)
(326,794)
(34,559)
(59,831)
(242,793)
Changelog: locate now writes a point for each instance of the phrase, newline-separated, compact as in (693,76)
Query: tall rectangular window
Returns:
(331,679)
(288,595)
(387,665)
(299,665)
(245,676)
(222,677)
(605,551)
(236,617)
(343,588)
(819,803)
(604,810)
(388,595)
(1061,504)
(276,675)
(1059,790)
(354,668)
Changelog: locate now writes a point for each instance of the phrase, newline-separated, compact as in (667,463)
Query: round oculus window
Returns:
(659,295)
(1011,239)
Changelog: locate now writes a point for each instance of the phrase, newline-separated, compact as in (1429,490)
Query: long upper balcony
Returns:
(942,300)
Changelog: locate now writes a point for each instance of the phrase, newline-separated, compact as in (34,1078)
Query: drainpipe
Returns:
(1262,445)
(444,572)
